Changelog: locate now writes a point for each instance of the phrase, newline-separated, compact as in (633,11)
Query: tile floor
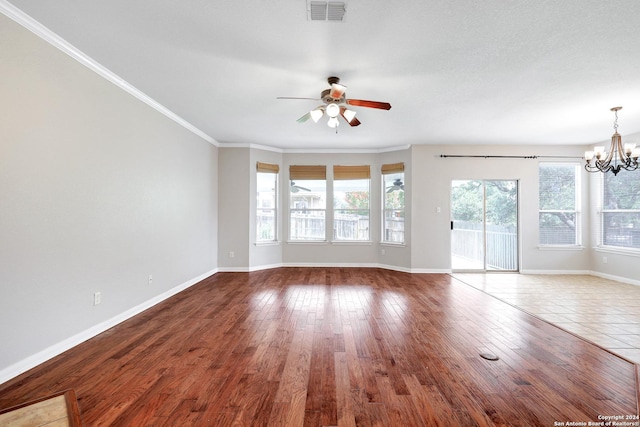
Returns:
(602,311)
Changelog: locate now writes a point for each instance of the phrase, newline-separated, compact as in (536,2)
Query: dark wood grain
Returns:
(334,347)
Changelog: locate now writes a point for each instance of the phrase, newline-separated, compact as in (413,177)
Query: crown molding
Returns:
(254,146)
(316,150)
(346,150)
(55,40)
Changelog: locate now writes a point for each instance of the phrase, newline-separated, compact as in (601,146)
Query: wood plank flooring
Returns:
(335,347)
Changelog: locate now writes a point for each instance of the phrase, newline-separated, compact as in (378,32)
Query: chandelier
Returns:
(618,157)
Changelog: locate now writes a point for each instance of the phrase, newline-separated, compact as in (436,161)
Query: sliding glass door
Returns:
(484,225)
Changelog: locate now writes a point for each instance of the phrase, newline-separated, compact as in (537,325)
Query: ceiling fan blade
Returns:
(369,104)
(337,90)
(353,122)
(304,118)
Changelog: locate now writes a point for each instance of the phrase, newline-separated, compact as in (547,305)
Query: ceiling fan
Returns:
(295,188)
(335,104)
(397,186)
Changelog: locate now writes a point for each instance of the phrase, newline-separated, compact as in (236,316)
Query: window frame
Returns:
(350,175)
(267,169)
(299,174)
(386,170)
(577,212)
(602,211)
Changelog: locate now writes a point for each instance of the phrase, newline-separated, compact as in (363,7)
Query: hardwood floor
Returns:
(335,347)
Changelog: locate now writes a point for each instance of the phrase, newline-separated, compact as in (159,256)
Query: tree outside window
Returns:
(393,211)
(558,203)
(620,215)
(351,209)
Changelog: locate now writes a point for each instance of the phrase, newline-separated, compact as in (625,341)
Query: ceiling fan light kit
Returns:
(617,158)
(336,102)
(317,114)
(349,115)
(333,110)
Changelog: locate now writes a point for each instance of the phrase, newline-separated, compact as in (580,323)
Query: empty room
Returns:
(301,212)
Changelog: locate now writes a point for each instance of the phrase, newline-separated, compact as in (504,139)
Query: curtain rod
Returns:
(509,157)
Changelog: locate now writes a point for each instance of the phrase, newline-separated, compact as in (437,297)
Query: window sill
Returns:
(352,242)
(393,244)
(267,243)
(307,242)
(619,251)
(560,247)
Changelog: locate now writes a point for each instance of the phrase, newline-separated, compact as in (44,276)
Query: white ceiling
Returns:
(455,71)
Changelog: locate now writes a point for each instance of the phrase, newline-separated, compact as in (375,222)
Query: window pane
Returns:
(307,224)
(621,229)
(266,224)
(308,193)
(393,227)
(557,187)
(557,228)
(266,184)
(557,192)
(622,191)
(394,191)
(351,224)
(351,194)
(307,202)
(351,209)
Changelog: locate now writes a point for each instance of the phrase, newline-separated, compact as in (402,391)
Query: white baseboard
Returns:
(550,272)
(56,349)
(330,264)
(431,270)
(616,278)
(395,268)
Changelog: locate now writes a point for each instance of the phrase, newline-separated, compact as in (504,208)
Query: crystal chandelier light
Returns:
(617,158)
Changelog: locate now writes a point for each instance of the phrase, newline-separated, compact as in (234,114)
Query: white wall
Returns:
(97,192)
(432,176)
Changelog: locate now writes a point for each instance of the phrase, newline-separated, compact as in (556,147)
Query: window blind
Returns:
(267,167)
(351,172)
(307,172)
(392,168)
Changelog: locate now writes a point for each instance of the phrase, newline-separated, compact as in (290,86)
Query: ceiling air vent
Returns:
(326,11)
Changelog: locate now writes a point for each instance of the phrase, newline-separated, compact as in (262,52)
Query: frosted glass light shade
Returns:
(333,110)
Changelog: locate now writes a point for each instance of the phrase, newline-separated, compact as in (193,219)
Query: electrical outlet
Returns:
(97,298)
(150,279)
(382,252)
(604,260)
(232,254)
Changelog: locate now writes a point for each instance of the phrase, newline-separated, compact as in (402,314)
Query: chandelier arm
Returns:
(617,158)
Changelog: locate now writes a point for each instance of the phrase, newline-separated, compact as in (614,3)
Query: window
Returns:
(620,215)
(559,215)
(393,197)
(307,203)
(351,202)
(267,202)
